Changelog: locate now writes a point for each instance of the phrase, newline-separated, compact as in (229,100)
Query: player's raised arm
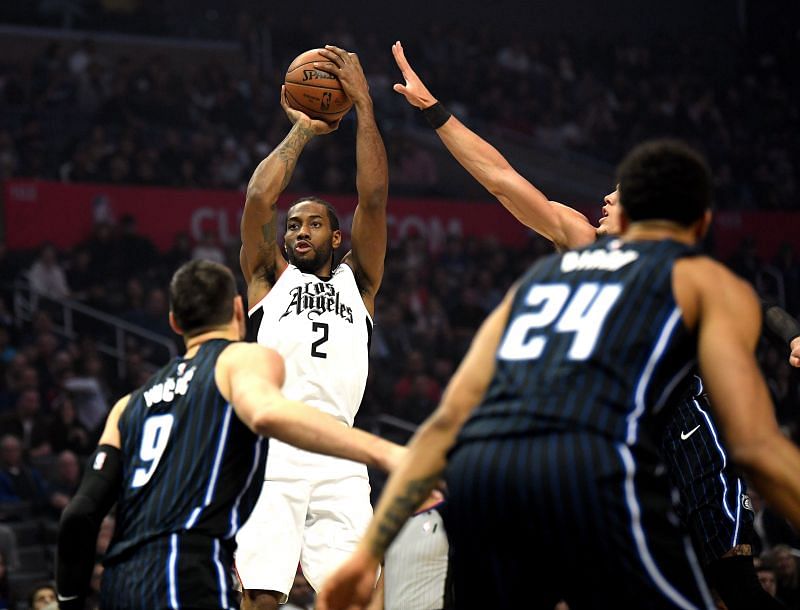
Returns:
(421,468)
(562,225)
(372,176)
(250,376)
(260,258)
(728,322)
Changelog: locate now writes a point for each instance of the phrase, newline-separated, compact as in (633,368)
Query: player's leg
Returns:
(493,524)
(566,516)
(269,544)
(647,535)
(338,515)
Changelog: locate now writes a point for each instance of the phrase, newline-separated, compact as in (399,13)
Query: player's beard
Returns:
(314,263)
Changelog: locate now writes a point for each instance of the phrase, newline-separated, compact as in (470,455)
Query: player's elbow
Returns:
(78,523)
(262,423)
(497,179)
(374,197)
(269,418)
(259,196)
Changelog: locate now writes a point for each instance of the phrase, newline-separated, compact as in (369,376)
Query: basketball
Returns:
(315,92)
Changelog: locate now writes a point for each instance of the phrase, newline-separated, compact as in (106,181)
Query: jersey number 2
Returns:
(317,326)
(584,315)
(155,436)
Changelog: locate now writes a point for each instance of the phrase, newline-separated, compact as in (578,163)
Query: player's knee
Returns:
(259,599)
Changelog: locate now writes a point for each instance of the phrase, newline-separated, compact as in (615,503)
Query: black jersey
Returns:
(190,466)
(714,505)
(594,343)
(562,452)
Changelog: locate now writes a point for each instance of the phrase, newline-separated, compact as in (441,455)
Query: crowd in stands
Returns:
(77,112)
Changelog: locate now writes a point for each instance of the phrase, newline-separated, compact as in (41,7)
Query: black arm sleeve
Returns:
(780,324)
(80,523)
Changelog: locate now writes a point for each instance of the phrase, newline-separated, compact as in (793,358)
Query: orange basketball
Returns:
(314,92)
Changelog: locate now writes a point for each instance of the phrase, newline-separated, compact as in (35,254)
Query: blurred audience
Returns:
(88,113)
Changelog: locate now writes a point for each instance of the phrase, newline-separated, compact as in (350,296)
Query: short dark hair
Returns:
(332,215)
(38,587)
(201,296)
(664,180)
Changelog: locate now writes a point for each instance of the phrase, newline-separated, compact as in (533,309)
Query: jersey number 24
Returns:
(562,308)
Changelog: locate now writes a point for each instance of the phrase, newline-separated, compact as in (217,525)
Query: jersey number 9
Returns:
(155,436)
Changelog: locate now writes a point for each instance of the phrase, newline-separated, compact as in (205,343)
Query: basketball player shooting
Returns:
(319,318)
(713,497)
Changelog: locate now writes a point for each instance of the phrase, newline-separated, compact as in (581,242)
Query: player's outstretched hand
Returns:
(415,91)
(351,586)
(347,68)
(794,358)
(316,126)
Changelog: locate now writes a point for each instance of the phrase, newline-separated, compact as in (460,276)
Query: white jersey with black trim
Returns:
(322,329)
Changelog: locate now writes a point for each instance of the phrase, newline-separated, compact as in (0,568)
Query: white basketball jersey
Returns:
(322,329)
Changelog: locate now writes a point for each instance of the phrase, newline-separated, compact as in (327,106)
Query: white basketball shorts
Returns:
(316,523)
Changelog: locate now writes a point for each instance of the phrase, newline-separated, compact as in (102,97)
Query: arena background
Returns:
(128,129)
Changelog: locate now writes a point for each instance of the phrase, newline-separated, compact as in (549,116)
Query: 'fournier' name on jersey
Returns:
(316,298)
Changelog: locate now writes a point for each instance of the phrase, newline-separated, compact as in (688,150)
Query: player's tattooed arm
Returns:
(289,150)
(260,258)
(398,512)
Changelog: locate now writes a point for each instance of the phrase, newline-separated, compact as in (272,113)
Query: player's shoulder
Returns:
(244,360)
(111,431)
(568,211)
(707,273)
(244,353)
(119,407)
(702,284)
(345,268)
(577,230)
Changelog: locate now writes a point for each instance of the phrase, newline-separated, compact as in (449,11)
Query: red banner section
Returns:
(64,214)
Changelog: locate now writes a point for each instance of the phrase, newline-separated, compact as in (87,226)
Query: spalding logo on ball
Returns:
(317,93)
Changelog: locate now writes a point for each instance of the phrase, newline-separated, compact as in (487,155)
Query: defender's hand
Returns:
(794,359)
(415,91)
(315,126)
(393,457)
(347,68)
(351,586)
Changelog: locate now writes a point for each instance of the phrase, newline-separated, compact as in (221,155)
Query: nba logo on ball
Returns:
(326,101)
(313,91)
